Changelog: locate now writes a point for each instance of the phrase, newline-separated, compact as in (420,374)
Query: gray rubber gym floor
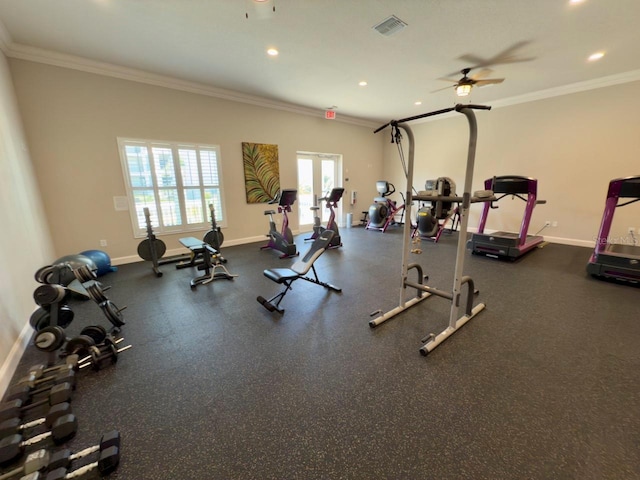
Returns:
(543,384)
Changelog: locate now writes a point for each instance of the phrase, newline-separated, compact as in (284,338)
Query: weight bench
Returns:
(211,261)
(298,270)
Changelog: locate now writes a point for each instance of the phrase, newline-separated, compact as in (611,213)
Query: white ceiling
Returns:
(328,46)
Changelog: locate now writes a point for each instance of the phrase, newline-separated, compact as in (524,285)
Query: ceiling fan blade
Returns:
(508,55)
(445,88)
(481,74)
(488,81)
(448,80)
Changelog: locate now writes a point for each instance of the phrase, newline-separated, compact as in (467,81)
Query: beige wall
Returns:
(25,241)
(573,144)
(72,120)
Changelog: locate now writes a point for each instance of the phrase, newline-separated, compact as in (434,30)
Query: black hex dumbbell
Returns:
(35,462)
(64,458)
(63,429)
(40,370)
(58,394)
(14,425)
(25,388)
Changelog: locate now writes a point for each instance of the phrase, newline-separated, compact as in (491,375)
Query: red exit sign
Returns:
(330,114)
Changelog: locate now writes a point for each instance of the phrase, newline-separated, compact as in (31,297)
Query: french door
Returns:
(318,173)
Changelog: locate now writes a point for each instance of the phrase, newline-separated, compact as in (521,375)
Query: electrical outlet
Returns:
(547,223)
(554,223)
(103,243)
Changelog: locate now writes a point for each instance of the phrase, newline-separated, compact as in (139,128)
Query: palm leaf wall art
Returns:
(261,171)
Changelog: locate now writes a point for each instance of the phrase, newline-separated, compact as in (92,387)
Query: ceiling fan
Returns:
(464,85)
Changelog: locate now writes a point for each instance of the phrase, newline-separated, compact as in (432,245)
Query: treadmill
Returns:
(508,245)
(612,260)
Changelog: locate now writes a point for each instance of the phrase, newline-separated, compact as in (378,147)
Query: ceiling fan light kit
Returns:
(463,90)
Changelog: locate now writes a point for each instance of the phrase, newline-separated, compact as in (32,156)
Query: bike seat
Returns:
(269,212)
(314,208)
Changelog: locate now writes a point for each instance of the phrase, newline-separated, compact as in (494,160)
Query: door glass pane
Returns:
(305,191)
(328,182)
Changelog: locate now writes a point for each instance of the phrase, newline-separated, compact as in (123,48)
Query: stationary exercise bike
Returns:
(384,210)
(433,215)
(283,240)
(332,202)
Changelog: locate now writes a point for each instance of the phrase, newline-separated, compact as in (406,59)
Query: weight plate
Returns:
(48,294)
(39,319)
(97,332)
(42,273)
(144,249)
(79,345)
(49,339)
(65,316)
(96,293)
(84,274)
(215,238)
(112,313)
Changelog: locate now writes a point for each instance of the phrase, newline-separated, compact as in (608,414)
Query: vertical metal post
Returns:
(464,215)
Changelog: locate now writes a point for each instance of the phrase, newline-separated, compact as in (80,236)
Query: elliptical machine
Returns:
(384,210)
(283,240)
(432,217)
(332,202)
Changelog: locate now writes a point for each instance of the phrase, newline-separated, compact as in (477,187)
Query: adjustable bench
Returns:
(286,276)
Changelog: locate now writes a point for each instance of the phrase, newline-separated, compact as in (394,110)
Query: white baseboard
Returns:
(182,251)
(8,368)
(560,240)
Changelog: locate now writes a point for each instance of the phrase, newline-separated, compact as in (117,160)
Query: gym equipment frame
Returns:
(425,291)
(298,270)
(616,261)
(506,244)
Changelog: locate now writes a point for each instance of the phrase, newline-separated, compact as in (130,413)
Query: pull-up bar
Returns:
(425,291)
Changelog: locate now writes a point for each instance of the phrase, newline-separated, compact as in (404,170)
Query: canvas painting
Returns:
(261,171)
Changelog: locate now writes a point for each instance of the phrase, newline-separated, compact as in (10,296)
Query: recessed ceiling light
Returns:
(596,56)
(363,83)
(418,103)
(272,52)
(575,2)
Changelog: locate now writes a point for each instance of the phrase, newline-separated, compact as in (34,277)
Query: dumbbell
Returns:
(99,359)
(47,294)
(35,462)
(41,317)
(58,394)
(41,369)
(24,391)
(63,429)
(63,458)
(14,425)
(25,388)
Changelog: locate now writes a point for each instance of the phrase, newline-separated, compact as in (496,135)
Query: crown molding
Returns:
(74,62)
(611,80)
(39,55)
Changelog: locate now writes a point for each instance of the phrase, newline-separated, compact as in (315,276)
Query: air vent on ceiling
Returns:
(390,26)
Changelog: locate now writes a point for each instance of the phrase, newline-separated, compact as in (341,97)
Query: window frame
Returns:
(158,227)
